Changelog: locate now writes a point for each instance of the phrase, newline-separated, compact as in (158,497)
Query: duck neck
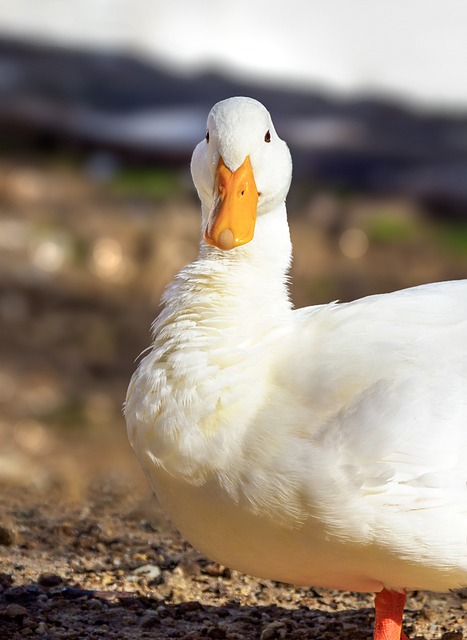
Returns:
(241,291)
(270,247)
(256,273)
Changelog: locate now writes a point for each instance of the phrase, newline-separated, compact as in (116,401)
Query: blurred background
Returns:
(101,104)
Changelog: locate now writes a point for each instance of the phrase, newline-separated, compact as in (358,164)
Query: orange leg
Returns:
(389,608)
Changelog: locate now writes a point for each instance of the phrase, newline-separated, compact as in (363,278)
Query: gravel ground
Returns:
(105,563)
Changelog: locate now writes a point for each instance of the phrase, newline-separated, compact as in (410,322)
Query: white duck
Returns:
(322,446)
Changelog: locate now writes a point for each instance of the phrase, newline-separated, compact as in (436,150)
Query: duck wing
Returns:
(383,401)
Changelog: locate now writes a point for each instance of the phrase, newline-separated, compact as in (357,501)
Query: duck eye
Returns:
(267,137)
(207,136)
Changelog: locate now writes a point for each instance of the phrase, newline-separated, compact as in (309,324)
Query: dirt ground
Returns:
(98,559)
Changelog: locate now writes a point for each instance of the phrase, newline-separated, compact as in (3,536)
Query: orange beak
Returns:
(232,219)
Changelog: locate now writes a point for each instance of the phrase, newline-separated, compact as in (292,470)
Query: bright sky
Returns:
(413,49)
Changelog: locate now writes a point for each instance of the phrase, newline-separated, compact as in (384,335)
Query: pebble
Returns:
(149,571)
(217,571)
(15,611)
(273,630)
(6,580)
(150,619)
(49,580)
(41,628)
(6,536)
(28,623)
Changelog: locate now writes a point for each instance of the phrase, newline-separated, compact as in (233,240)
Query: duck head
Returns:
(241,170)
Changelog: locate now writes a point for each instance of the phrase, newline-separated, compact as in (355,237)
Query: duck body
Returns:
(323,446)
(345,462)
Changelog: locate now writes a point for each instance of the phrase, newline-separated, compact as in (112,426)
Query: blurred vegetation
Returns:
(390,229)
(453,238)
(146,183)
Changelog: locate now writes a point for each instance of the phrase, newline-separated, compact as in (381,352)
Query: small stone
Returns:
(150,619)
(217,570)
(273,630)
(6,580)
(6,536)
(49,580)
(149,571)
(95,605)
(15,611)
(41,628)
(28,623)
(452,635)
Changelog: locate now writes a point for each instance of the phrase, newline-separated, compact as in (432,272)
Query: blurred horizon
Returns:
(406,51)
(116,109)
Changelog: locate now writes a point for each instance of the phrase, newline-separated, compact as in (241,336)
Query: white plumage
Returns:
(323,446)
